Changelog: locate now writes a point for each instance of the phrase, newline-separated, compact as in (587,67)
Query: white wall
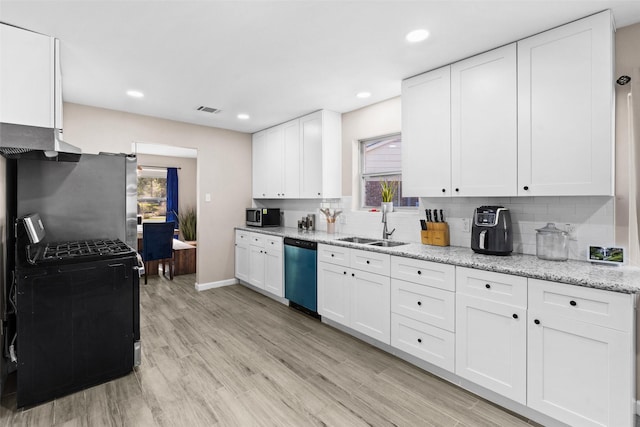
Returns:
(223,171)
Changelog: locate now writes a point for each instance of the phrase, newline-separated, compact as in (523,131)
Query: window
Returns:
(380,161)
(152,194)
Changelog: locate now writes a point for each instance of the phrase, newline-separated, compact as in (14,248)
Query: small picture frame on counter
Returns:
(606,255)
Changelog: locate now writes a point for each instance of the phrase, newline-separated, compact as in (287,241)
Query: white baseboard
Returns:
(637,407)
(218,284)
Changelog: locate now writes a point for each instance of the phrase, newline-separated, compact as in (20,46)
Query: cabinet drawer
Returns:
(273,243)
(609,309)
(498,287)
(256,239)
(242,236)
(333,254)
(423,303)
(433,274)
(372,262)
(426,342)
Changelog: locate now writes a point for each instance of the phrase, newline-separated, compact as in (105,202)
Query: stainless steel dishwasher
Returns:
(300,275)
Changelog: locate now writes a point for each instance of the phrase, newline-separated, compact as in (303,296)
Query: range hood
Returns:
(32,142)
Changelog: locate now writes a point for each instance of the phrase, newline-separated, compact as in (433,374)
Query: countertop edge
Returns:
(620,279)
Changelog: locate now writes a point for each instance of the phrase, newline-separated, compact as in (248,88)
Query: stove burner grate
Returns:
(85,248)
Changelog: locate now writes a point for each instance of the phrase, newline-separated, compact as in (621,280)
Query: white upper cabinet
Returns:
(291,159)
(299,159)
(321,155)
(28,79)
(484,133)
(565,101)
(273,158)
(426,134)
(260,166)
(529,119)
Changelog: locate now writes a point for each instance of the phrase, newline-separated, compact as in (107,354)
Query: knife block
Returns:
(436,234)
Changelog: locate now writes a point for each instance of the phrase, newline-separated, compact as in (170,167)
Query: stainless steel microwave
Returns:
(263,217)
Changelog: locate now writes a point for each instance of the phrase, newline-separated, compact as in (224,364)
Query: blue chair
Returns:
(157,244)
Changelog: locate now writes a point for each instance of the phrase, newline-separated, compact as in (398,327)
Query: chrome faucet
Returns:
(385,231)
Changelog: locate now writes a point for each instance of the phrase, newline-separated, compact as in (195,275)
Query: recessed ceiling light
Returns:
(417,36)
(243,116)
(363,94)
(135,93)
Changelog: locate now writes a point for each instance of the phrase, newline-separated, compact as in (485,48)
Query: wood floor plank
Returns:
(233,357)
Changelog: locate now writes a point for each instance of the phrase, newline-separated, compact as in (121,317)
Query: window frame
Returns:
(363,176)
(158,173)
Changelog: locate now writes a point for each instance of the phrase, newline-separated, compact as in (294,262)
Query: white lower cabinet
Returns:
(423,310)
(259,261)
(491,345)
(242,255)
(256,261)
(354,297)
(370,311)
(333,292)
(580,372)
(491,331)
(273,266)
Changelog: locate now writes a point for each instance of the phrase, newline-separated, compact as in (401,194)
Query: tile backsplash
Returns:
(592,217)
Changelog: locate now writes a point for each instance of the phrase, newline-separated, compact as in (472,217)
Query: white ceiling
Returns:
(274,60)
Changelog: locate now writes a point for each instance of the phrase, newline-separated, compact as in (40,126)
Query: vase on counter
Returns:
(387,207)
(331,227)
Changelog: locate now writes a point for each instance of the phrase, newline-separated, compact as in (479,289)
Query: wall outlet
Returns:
(572,231)
(343,219)
(466,225)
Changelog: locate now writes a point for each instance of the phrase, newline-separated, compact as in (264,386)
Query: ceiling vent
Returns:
(208,109)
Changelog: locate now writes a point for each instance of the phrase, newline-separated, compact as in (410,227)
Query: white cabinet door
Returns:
(311,155)
(242,256)
(256,266)
(579,373)
(371,305)
(27,77)
(565,101)
(259,167)
(273,162)
(291,159)
(491,346)
(426,134)
(273,266)
(484,133)
(334,292)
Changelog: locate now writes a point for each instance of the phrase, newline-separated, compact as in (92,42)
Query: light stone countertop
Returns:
(581,273)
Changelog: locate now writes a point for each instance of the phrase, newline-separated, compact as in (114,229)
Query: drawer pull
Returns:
(536,321)
(515,316)
(488,286)
(367,261)
(332,255)
(419,272)
(419,302)
(419,340)
(353,275)
(573,303)
(344,272)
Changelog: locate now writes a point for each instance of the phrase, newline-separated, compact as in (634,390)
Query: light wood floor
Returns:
(232,357)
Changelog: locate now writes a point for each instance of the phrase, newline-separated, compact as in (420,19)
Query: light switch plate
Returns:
(207,197)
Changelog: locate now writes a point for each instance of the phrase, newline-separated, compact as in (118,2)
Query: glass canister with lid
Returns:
(552,243)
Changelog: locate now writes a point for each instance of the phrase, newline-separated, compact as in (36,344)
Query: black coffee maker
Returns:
(491,231)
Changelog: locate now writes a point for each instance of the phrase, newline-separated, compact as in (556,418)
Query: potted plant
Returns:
(389,189)
(188,221)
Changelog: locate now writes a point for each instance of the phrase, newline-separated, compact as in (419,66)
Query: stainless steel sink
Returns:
(372,242)
(387,243)
(361,240)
